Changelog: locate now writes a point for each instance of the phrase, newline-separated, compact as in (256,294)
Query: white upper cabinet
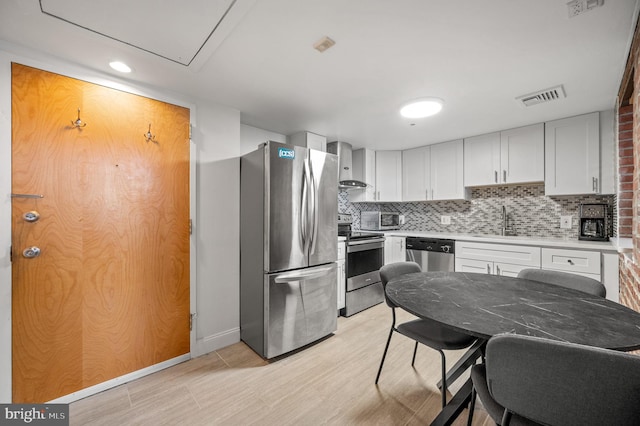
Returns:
(416,177)
(447,171)
(363,162)
(433,172)
(482,160)
(507,157)
(388,176)
(309,140)
(572,155)
(522,154)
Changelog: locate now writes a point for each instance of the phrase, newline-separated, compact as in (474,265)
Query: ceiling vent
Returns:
(541,96)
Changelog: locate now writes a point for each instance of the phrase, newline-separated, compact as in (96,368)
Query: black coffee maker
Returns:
(593,222)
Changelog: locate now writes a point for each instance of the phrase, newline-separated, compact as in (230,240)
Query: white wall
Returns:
(5,229)
(217,228)
(251,137)
(215,206)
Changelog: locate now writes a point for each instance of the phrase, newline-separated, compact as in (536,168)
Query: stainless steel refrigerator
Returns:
(288,247)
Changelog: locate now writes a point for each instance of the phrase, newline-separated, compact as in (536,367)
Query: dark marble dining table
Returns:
(486,305)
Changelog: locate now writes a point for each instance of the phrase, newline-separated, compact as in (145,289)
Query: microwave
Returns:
(379,221)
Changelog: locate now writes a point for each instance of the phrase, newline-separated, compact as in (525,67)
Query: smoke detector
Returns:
(577,7)
(546,95)
(323,44)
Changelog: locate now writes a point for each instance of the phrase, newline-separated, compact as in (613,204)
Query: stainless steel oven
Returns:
(365,256)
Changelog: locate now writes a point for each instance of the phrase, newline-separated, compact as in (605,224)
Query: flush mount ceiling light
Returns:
(420,108)
(120,66)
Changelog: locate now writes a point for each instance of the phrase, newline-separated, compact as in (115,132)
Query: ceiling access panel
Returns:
(176,30)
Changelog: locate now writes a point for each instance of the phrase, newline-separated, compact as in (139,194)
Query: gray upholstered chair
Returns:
(559,383)
(478,375)
(429,333)
(565,279)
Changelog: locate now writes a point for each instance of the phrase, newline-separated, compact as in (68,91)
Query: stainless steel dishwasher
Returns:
(432,254)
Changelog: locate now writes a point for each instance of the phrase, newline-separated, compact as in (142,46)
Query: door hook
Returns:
(148,137)
(78,123)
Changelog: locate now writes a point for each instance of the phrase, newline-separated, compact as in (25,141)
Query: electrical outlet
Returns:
(577,7)
(445,220)
(565,222)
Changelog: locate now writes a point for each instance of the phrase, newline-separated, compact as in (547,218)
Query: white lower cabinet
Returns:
(395,249)
(509,260)
(488,267)
(580,262)
(496,259)
(342,274)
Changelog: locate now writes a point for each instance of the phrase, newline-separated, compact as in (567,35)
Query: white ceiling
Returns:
(476,55)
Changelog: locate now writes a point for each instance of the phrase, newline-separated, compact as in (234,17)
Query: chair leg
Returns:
(444,379)
(415,349)
(506,418)
(472,406)
(384,355)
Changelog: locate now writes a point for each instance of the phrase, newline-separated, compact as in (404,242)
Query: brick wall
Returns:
(625,168)
(629,175)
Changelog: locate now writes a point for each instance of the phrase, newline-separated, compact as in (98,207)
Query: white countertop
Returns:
(615,244)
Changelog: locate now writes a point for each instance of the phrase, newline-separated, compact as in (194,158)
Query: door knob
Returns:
(31,216)
(31,252)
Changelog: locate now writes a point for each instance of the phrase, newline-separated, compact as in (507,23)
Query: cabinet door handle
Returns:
(432,193)
(495,175)
(595,184)
(504,176)
(497,270)
(488,269)
(570,262)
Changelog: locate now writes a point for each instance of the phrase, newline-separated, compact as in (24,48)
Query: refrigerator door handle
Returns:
(305,274)
(304,209)
(314,209)
(308,205)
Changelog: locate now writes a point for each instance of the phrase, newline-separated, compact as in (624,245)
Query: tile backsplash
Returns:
(530,213)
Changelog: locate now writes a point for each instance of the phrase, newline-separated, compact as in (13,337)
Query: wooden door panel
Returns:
(114,269)
(46,301)
(133,208)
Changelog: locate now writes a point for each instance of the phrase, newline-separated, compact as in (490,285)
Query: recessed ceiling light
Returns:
(120,66)
(422,108)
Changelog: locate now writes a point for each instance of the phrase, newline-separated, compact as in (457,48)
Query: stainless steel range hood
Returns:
(345,177)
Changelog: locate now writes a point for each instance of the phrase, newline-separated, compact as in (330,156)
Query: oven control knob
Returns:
(446,249)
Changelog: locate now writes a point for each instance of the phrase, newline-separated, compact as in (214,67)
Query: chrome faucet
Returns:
(504,221)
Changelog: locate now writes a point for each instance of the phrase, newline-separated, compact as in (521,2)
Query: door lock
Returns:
(31,252)
(31,216)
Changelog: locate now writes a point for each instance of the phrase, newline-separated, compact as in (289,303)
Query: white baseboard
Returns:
(215,341)
(100,387)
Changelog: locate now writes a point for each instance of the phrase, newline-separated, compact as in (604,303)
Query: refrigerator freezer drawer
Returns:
(300,308)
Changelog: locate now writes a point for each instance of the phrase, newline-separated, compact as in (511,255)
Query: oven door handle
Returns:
(365,245)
